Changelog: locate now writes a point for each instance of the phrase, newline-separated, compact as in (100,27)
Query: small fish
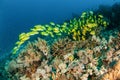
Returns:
(83,38)
(63,26)
(52,23)
(91,12)
(18,42)
(21,35)
(84,32)
(49,28)
(104,23)
(38,28)
(78,32)
(92,20)
(74,38)
(25,38)
(51,34)
(92,32)
(91,25)
(32,33)
(73,30)
(65,23)
(101,16)
(56,30)
(83,15)
(15,49)
(44,33)
(58,25)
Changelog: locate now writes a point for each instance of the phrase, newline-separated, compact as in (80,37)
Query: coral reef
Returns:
(80,49)
(96,58)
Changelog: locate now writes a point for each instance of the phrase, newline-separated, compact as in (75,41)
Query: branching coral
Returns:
(77,29)
(42,46)
(63,47)
(29,59)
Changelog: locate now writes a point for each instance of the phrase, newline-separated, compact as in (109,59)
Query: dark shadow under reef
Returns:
(112,13)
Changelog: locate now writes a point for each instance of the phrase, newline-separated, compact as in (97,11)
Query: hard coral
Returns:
(28,59)
(63,47)
(114,73)
(42,46)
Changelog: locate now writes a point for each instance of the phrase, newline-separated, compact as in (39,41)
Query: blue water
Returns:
(18,16)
